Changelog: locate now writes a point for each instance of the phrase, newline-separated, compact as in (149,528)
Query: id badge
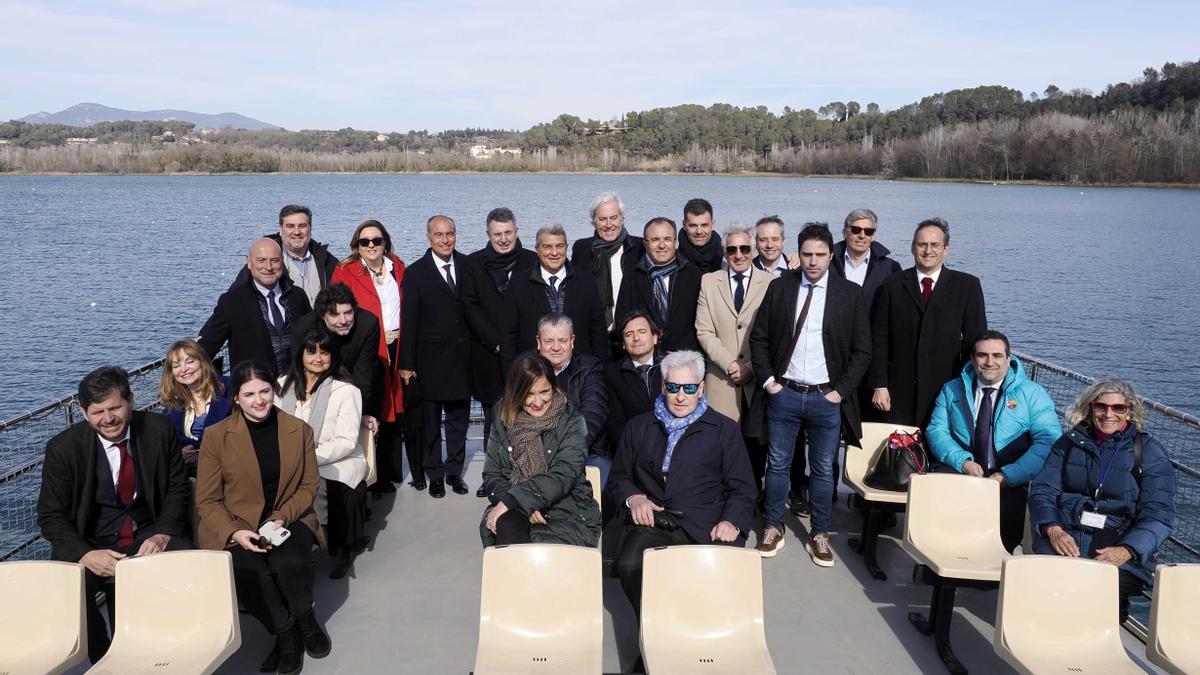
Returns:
(1093,520)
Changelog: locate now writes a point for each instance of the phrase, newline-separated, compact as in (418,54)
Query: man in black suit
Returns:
(701,245)
(552,287)
(489,272)
(634,381)
(664,285)
(356,332)
(809,354)
(255,316)
(306,261)
(924,322)
(433,348)
(113,486)
(610,253)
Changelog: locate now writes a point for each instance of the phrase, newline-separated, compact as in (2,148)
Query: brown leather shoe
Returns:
(819,549)
(770,542)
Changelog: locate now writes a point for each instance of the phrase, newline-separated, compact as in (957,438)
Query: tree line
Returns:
(1147,130)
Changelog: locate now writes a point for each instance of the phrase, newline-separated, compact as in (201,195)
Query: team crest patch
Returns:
(1012,404)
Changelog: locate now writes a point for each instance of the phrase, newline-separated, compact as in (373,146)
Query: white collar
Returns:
(936,273)
(106,444)
(819,283)
(850,261)
(264,290)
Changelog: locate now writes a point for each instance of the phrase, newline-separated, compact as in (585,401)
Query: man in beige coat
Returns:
(729,299)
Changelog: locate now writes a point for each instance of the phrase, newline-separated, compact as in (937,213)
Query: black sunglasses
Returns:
(744,248)
(674,387)
(373,241)
(854,229)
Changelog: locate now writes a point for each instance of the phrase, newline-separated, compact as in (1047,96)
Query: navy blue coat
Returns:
(1142,513)
(218,410)
(879,267)
(710,477)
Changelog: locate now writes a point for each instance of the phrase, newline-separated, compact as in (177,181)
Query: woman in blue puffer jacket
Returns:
(1093,498)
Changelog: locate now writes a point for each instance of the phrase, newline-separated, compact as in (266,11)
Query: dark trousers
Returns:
(277,587)
(347,509)
(458,414)
(512,528)
(97,633)
(488,414)
(1012,515)
(1127,584)
(635,539)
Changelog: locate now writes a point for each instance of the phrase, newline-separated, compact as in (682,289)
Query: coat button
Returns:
(740,326)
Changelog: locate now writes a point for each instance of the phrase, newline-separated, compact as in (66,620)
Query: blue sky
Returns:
(394,66)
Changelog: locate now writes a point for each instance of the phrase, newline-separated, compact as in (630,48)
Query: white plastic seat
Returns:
(1059,615)
(860,461)
(953,526)
(366,441)
(541,610)
(43,628)
(593,475)
(176,613)
(702,611)
(1174,641)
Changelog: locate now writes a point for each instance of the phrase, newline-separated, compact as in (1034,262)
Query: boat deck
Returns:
(411,603)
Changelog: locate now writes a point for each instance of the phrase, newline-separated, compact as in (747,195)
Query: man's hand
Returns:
(724,531)
(1117,555)
(102,562)
(999,478)
(882,399)
(494,515)
(371,423)
(154,544)
(189,451)
(642,510)
(1062,542)
(733,370)
(834,397)
(407,375)
(971,468)
(774,388)
(245,539)
(793,261)
(537,518)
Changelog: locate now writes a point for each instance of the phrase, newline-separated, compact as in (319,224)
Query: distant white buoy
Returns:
(92,305)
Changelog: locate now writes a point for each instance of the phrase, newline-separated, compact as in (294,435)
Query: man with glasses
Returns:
(923,323)
(810,346)
(861,259)
(306,262)
(994,421)
(665,286)
(728,301)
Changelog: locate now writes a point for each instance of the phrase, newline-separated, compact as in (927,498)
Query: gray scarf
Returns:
(316,412)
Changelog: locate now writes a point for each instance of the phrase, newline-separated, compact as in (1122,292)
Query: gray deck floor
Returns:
(411,603)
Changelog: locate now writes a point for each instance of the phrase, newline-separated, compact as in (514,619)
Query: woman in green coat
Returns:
(533,474)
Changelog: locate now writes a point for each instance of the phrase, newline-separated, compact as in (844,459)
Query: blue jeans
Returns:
(601,463)
(788,411)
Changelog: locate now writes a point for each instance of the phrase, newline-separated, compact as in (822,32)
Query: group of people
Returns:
(709,378)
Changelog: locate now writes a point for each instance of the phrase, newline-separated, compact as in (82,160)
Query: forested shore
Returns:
(1145,131)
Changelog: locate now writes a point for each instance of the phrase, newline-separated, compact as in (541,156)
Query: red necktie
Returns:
(126,486)
(927,288)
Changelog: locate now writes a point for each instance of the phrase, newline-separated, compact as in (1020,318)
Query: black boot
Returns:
(291,651)
(316,642)
(271,663)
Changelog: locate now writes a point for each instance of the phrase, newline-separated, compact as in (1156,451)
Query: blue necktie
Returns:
(273,308)
(983,446)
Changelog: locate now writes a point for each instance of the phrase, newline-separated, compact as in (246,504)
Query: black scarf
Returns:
(500,265)
(707,257)
(602,253)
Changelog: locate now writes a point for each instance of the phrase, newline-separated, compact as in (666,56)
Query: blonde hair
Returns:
(176,396)
(1081,410)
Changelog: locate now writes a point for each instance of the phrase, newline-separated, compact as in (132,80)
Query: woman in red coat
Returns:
(374,273)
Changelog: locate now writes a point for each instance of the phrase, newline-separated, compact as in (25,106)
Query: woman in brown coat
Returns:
(259,466)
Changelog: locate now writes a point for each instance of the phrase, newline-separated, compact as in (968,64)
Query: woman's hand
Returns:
(1063,543)
(245,539)
(537,518)
(189,452)
(1117,555)
(494,515)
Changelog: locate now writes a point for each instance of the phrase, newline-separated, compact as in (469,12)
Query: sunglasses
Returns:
(854,229)
(744,249)
(674,387)
(373,241)
(1117,408)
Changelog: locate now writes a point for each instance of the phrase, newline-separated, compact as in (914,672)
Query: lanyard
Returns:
(1104,469)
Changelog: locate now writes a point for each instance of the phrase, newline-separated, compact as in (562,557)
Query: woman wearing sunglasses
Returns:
(1097,498)
(374,273)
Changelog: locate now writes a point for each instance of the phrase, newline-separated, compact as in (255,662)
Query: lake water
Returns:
(112,269)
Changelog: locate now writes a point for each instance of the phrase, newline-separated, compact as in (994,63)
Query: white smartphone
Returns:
(273,533)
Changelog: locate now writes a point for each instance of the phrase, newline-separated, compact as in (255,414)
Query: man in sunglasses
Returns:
(810,346)
(994,421)
(861,259)
(306,262)
(729,299)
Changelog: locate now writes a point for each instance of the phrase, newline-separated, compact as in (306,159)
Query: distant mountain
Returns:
(87,114)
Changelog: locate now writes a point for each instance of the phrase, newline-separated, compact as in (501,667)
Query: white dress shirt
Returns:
(546,274)
(114,457)
(616,273)
(441,268)
(856,273)
(808,361)
(979,386)
(389,297)
(745,282)
(278,297)
(921,276)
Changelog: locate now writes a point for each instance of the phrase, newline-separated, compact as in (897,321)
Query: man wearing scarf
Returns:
(699,246)
(485,281)
(610,253)
(664,286)
(681,473)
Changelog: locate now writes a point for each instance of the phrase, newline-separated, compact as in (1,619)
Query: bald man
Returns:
(255,315)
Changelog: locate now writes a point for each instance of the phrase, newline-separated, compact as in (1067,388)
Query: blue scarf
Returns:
(662,298)
(675,426)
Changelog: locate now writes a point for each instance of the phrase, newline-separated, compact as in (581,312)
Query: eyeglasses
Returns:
(674,387)
(373,241)
(1117,408)
(744,249)
(854,229)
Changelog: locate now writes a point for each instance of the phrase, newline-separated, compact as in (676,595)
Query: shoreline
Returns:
(738,174)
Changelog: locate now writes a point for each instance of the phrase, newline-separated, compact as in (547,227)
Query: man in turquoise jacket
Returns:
(994,421)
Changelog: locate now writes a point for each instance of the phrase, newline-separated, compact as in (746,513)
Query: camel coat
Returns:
(724,335)
(229,493)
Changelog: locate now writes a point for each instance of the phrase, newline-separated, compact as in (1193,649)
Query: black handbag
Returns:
(903,455)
